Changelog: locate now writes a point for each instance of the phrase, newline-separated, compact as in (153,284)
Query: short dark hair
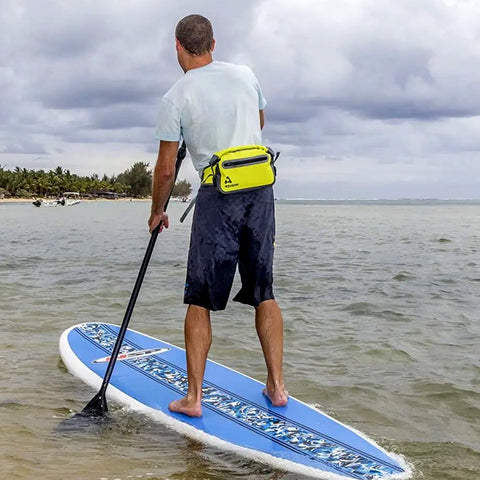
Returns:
(195,34)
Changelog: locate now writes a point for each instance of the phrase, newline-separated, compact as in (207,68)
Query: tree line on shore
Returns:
(134,182)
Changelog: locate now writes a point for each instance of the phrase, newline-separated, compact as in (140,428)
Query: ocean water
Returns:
(381,307)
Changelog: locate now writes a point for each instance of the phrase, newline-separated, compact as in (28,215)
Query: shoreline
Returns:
(30,200)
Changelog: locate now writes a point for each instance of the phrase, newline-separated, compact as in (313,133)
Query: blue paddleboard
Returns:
(149,374)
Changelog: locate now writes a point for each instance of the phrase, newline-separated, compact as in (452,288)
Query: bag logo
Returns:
(228,183)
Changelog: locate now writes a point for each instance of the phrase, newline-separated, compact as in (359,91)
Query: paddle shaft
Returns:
(98,404)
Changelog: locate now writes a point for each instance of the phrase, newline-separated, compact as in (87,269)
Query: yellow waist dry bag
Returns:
(244,168)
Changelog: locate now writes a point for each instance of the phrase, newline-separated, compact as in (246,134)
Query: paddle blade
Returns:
(92,417)
(96,407)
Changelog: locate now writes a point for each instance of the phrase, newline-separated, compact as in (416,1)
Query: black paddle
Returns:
(97,407)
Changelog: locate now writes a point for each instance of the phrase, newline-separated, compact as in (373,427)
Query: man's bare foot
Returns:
(278,397)
(187,407)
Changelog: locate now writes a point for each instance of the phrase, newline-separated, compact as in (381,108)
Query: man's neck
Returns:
(197,61)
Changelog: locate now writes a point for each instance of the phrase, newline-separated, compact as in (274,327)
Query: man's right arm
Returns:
(163,180)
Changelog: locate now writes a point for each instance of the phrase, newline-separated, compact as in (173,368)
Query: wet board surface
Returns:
(150,373)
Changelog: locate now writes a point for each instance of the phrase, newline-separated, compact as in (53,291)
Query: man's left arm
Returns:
(163,182)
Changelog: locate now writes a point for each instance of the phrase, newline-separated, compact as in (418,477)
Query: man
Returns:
(215,106)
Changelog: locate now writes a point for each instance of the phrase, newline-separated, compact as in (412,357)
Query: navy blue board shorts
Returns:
(230,230)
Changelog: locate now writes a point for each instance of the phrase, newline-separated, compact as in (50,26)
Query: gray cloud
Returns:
(362,94)
(25,147)
(90,92)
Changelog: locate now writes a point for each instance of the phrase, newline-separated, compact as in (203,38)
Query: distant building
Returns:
(108,195)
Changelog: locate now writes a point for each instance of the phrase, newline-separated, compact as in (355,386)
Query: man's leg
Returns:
(269,325)
(198,338)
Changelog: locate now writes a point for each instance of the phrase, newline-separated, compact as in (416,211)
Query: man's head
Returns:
(195,34)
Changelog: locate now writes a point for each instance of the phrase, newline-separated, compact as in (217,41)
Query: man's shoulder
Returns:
(176,91)
(236,72)
(234,67)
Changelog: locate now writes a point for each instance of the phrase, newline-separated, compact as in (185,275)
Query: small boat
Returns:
(71,198)
(68,199)
(47,203)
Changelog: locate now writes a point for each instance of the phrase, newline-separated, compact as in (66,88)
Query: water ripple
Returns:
(381,330)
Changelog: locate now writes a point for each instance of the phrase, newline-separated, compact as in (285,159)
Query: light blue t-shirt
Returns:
(213,108)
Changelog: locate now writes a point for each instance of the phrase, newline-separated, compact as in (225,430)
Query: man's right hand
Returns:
(156,219)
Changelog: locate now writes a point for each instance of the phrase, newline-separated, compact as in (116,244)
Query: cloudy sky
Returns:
(366,98)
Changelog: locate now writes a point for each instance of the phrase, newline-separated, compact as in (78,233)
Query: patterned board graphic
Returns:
(292,435)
